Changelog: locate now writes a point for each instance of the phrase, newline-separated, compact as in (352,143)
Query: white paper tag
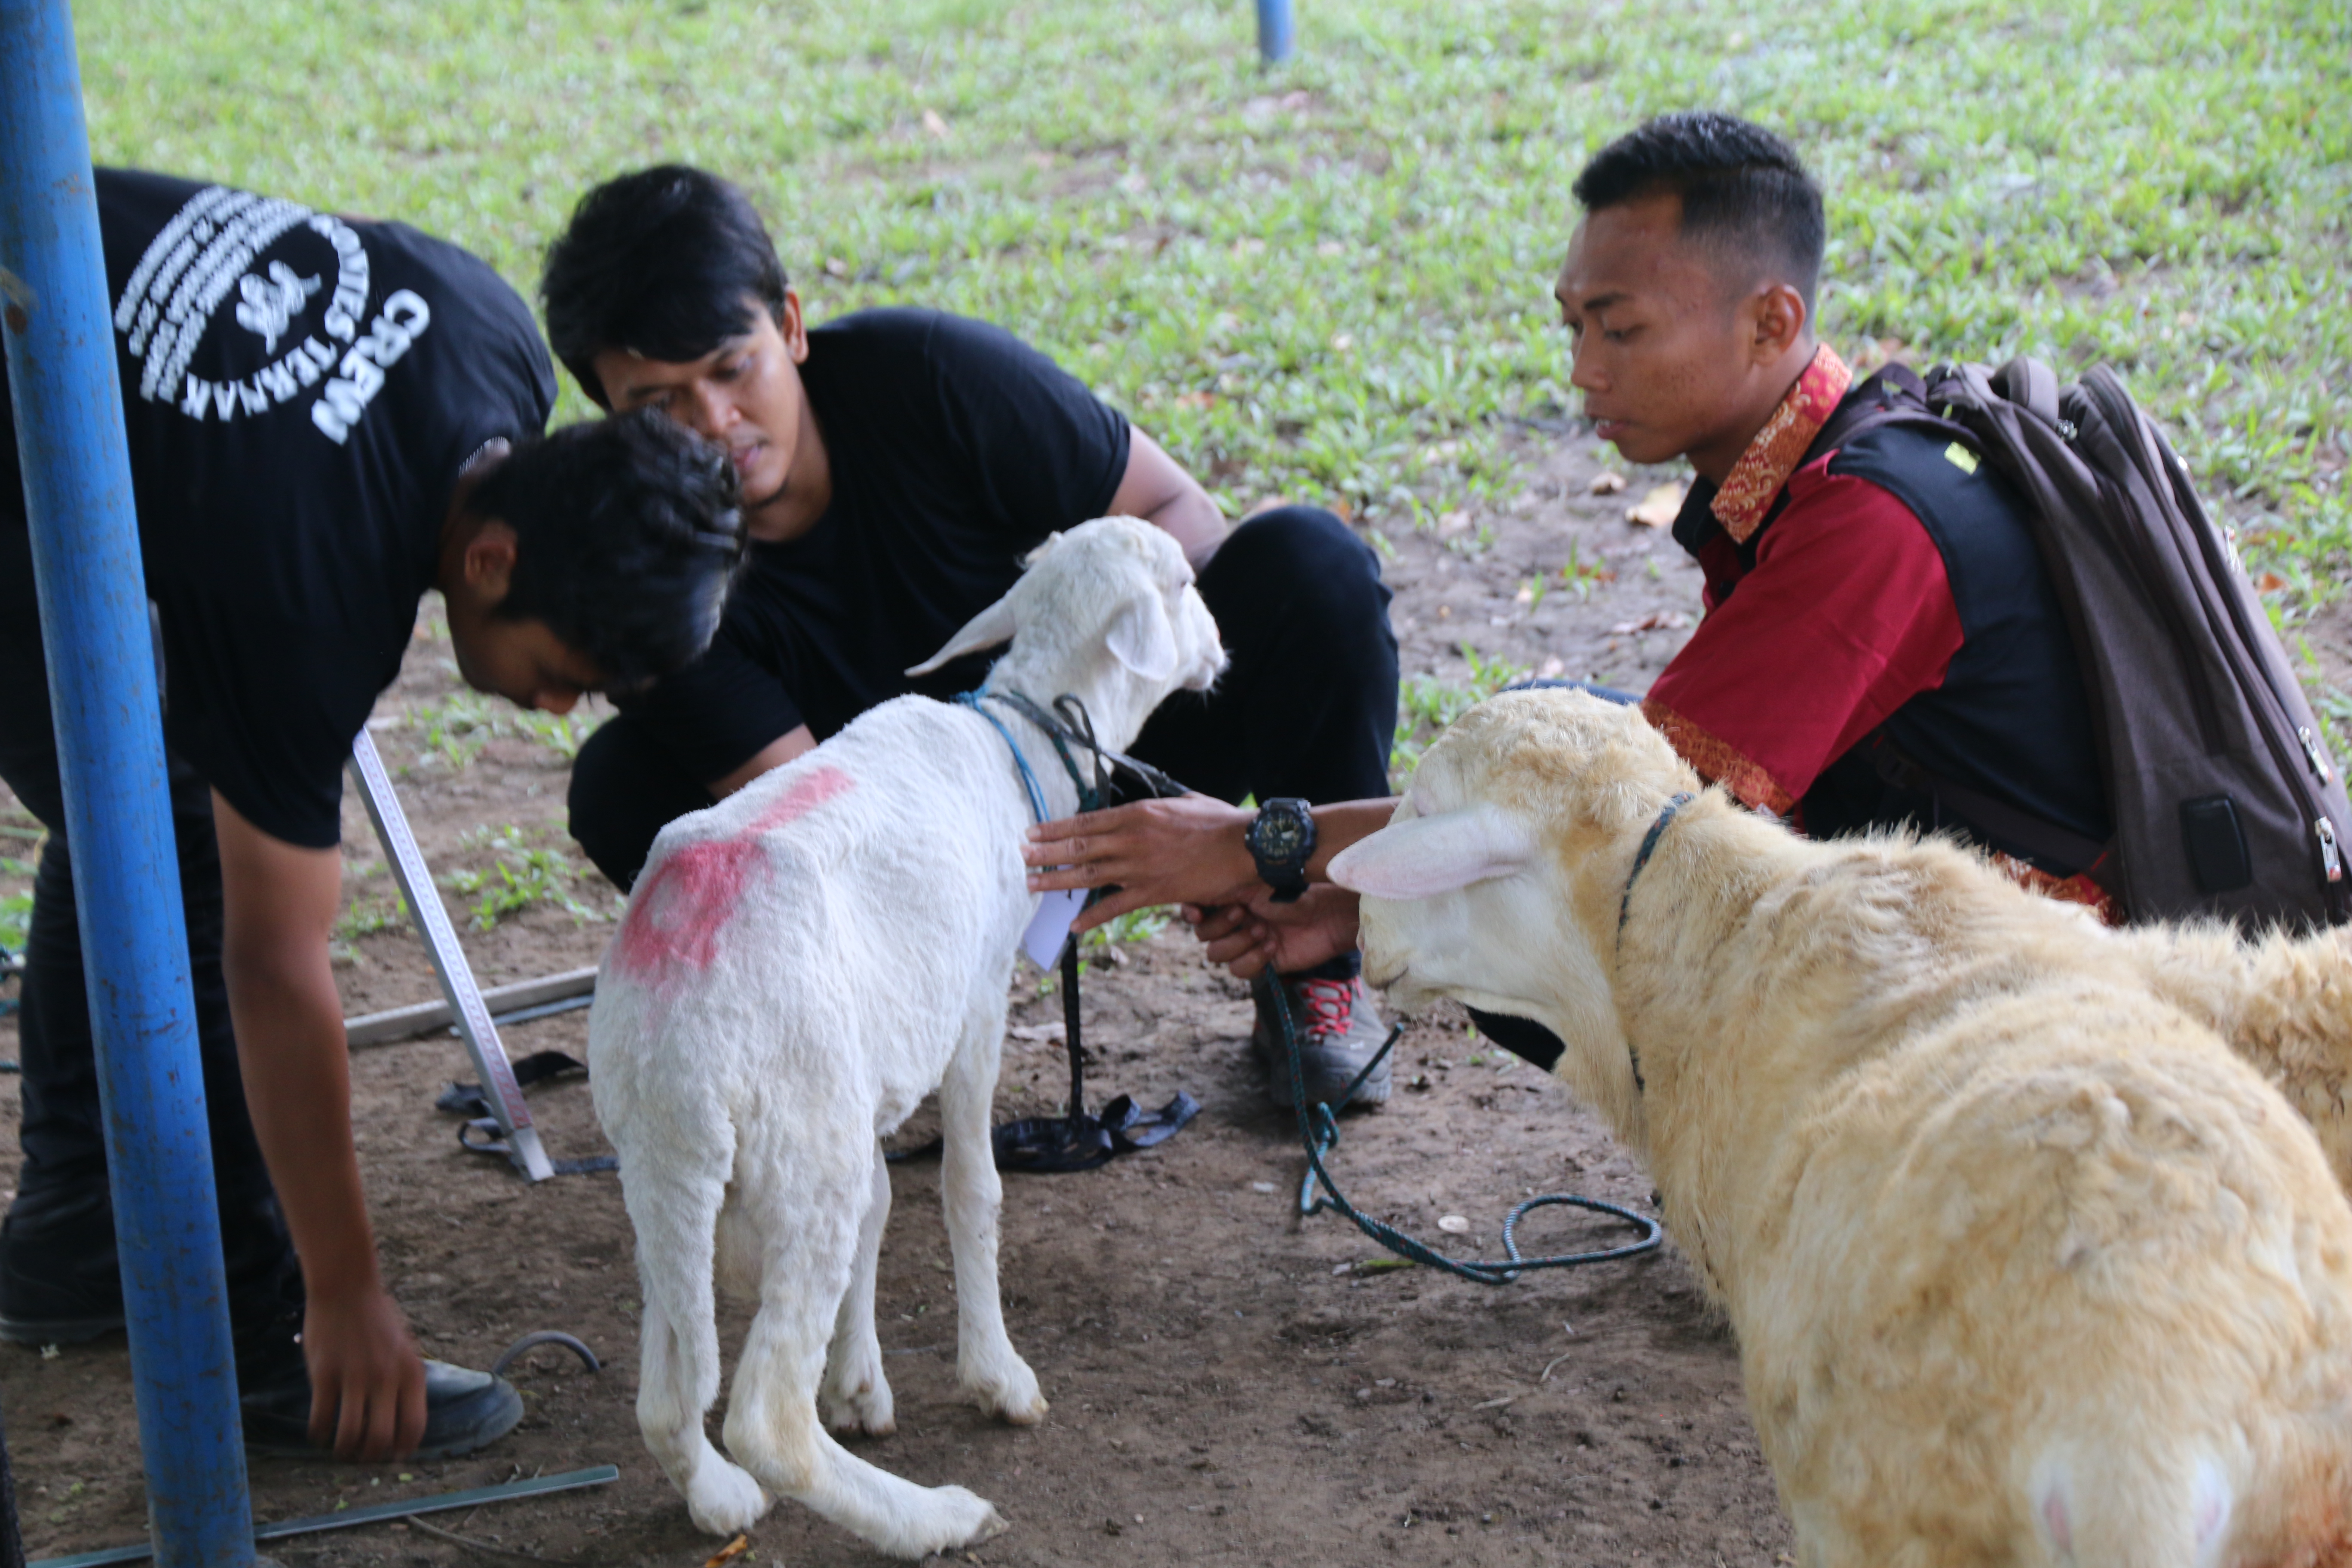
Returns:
(1050,927)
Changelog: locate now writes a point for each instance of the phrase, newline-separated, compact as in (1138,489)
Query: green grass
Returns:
(1426,705)
(454,729)
(1330,282)
(518,875)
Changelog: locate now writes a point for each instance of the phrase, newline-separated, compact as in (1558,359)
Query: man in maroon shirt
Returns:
(1876,604)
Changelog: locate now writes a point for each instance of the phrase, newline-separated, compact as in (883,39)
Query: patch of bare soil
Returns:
(1227,1385)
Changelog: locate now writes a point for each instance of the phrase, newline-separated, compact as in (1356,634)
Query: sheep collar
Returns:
(1649,847)
(1625,902)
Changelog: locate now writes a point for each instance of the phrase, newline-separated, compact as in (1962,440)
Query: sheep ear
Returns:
(1433,855)
(1141,639)
(991,626)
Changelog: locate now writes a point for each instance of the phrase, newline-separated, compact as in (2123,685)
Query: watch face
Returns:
(1280,837)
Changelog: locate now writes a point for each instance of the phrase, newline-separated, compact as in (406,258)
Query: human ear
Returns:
(1779,314)
(490,562)
(792,329)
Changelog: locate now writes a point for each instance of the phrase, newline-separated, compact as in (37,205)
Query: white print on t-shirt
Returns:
(190,267)
(270,302)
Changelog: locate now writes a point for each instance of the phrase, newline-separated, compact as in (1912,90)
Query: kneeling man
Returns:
(897,465)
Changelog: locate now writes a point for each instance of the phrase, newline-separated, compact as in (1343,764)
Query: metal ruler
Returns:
(473,1016)
(376,1513)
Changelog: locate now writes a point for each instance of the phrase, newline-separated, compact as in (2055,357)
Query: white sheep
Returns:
(2025,1265)
(798,966)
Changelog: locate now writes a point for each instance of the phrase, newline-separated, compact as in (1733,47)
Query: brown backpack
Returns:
(2222,795)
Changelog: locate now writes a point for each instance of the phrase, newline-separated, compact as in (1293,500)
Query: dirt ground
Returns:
(1227,1385)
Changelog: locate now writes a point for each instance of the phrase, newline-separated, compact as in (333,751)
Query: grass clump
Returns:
(519,876)
(1426,705)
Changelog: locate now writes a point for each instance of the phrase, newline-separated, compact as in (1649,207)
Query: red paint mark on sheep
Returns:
(676,918)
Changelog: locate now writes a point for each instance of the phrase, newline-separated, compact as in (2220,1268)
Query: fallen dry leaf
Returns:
(936,127)
(729,1552)
(1655,621)
(2269,582)
(1607,482)
(1658,507)
(1454,522)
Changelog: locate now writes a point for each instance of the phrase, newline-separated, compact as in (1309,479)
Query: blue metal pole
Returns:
(94,628)
(1276,36)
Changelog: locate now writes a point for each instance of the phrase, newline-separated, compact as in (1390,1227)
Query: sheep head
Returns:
(1107,611)
(1497,882)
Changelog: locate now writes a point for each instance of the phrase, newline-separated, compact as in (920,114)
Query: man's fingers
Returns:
(326,1411)
(1057,852)
(1108,909)
(1230,949)
(413,1410)
(352,1425)
(1219,922)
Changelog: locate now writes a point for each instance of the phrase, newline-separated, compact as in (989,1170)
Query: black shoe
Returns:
(464,1410)
(59,1283)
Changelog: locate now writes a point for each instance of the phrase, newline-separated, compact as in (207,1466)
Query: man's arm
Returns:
(1185,850)
(1158,491)
(367,1386)
(774,754)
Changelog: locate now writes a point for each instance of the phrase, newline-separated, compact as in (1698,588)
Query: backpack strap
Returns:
(2035,835)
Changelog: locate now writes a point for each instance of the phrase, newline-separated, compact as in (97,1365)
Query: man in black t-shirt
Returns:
(326,417)
(897,465)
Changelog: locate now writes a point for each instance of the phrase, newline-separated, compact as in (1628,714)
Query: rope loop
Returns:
(1318,1129)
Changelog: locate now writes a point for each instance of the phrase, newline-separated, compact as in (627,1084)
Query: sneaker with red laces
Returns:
(1338,1031)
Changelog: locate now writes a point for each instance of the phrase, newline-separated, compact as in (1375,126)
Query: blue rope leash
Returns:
(972,700)
(1319,1131)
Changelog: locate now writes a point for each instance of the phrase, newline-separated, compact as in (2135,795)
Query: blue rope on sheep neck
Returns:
(1319,1131)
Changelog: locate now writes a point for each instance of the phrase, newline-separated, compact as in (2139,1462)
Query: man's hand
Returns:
(367,1386)
(1187,849)
(281,901)
(1248,939)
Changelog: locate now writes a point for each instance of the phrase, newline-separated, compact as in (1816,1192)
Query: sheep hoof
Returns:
(865,1410)
(722,1500)
(1013,1397)
(974,1518)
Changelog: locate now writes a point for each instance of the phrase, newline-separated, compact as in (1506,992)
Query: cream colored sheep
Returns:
(2025,1265)
(2284,1004)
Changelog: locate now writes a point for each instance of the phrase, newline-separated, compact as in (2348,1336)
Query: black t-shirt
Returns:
(955,450)
(301,391)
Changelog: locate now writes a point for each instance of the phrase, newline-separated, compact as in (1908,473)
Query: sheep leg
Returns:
(673,1205)
(772,1420)
(855,1396)
(990,1370)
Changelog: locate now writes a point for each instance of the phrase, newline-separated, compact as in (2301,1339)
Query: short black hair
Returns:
(661,262)
(628,535)
(1745,191)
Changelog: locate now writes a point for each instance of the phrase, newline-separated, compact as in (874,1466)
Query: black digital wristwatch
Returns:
(1280,841)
